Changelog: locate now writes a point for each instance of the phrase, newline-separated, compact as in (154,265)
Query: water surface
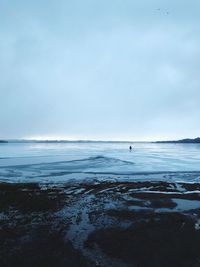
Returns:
(61,161)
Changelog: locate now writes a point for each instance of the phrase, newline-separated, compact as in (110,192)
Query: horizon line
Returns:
(84,140)
(68,140)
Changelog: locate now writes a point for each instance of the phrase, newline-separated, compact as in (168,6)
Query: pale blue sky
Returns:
(119,69)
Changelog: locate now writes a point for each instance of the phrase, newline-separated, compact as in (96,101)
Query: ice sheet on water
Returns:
(61,162)
(99,167)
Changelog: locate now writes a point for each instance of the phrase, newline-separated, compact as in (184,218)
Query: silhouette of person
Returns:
(130,148)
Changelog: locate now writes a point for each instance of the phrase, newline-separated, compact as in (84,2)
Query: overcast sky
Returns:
(100,69)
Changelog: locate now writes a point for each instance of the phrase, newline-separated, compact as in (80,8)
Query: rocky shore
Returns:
(119,224)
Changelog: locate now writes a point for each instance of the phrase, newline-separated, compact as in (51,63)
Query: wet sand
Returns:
(120,224)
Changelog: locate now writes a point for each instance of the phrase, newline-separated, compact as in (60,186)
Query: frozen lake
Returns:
(59,161)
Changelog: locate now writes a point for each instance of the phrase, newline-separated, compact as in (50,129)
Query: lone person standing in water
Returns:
(130,148)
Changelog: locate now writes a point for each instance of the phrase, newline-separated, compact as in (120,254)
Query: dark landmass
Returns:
(183,141)
(108,224)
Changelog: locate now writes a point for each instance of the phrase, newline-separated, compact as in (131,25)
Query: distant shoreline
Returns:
(181,141)
(68,141)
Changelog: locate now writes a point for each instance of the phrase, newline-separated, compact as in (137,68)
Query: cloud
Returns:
(91,69)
